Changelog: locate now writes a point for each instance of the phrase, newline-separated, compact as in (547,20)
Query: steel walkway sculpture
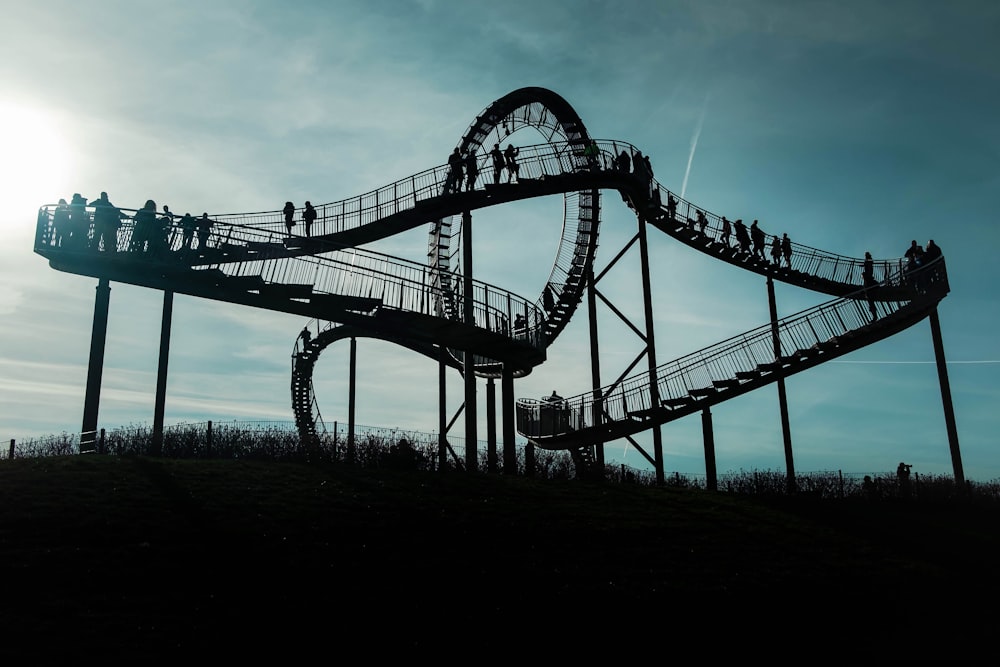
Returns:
(251,259)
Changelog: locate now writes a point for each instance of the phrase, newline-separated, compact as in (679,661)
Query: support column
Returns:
(491,426)
(442,409)
(351,394)
(471,446)
(949,410)
(595,369)
(161,372)
(654,389)
(509,415)
(98,338)
(711,477)
(786,431)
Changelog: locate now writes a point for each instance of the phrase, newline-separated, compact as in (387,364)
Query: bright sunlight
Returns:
(34,164)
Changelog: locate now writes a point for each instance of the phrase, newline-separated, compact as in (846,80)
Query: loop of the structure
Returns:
(554,118)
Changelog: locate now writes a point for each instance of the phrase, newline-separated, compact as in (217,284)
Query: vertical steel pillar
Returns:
(442,407)
(654,388)
(595,369)
(351,402)
(161,372)
(949,410)
(711,478)
(491,426)
(786,431)
(507,407)
(469,317)
(98,337)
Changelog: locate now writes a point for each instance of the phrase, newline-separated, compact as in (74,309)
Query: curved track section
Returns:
(734,366)
(252,259)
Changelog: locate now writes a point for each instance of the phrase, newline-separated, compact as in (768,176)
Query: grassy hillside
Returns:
(139,557)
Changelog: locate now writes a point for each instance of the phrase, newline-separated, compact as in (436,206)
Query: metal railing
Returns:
(751,353)
(245,253)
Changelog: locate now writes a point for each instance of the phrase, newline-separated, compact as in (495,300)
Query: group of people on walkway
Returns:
(101,229)
(309,216)
(464,168)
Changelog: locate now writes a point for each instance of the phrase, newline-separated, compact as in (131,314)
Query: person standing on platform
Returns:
(309,217)
(289,212)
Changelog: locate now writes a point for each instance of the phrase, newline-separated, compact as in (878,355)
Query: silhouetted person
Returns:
(289,212)
(144,230)
(519,324)
(593,154)
(107,219)
(498,163)
(757,236)
(453,182)
(510,155)
(306,336)
(931,254)
(548,302)
(727,229)
(742,236)
(671,207)
(868,271)
(309,217)
(188,225)
(204,229)
(776,250)
(166,228)
(903,477)
(702,221)
(624,163)
(471,170)
(868,278)
(62,230)
(79,221)
(786,249)
(914,252)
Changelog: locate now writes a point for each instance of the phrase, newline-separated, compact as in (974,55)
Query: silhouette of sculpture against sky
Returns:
(310,261)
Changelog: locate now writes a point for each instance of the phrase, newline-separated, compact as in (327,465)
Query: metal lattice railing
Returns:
(749,355)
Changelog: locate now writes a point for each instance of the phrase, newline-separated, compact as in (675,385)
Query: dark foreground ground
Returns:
(146,559)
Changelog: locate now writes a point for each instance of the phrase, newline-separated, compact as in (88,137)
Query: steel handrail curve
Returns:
(400,284)
(536,161)
(743,353)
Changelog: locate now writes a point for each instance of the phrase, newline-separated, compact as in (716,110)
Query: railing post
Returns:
(208,440)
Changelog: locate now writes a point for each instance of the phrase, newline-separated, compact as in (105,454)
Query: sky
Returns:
(852,126)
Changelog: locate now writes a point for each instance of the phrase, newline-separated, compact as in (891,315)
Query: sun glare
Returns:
(34,162)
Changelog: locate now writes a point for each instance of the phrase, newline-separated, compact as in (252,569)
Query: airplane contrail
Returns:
(694,145)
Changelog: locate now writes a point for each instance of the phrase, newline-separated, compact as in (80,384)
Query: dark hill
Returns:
(144,558)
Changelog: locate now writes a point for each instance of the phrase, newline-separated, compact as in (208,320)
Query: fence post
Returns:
(208,440)
(841,474)
(102,444)
(10,454)
(529,460)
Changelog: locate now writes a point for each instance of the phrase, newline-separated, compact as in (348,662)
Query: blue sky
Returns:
(851,126)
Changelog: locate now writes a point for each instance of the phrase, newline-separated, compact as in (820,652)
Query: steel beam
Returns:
(95,369)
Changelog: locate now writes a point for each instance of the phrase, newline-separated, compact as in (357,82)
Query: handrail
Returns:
(538,161)
(245,252)
(746,353)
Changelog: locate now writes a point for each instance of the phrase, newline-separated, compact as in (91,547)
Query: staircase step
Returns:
(747,375)
(726,384)
(677,402)
(245,282)
(341,302)
(769,366)
(702,392)
(287,291)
